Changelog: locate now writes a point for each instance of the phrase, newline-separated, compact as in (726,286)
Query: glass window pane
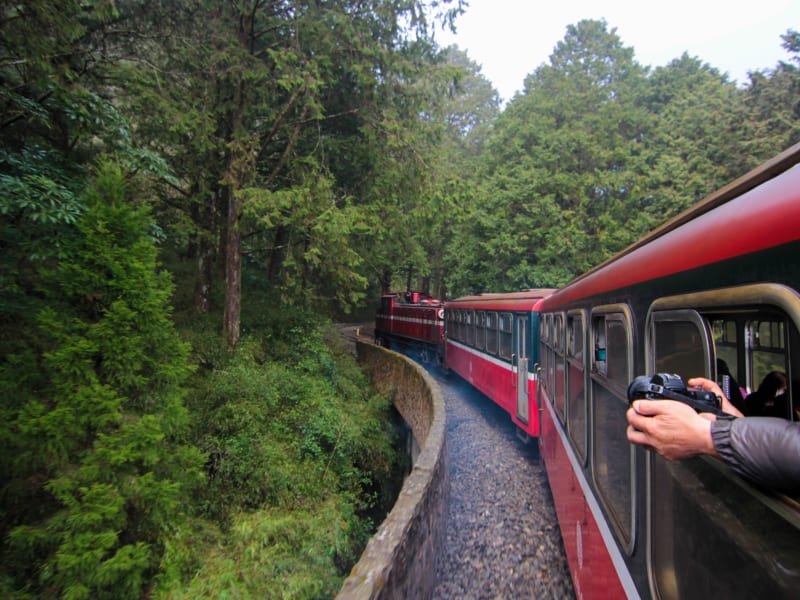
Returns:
(469,327)
(617,353)
(679,349)
(480,330)
(491,332)
(612,457)
(505,336)
(721,539)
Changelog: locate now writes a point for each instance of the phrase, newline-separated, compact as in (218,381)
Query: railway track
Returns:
(502,536)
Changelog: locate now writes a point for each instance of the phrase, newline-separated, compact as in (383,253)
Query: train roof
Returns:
(759,210)
(413,298)
(524,300)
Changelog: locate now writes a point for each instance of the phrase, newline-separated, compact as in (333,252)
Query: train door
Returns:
(522,368)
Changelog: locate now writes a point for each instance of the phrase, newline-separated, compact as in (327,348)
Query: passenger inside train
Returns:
(770,399)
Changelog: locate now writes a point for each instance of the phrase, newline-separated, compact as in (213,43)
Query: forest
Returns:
(192,192)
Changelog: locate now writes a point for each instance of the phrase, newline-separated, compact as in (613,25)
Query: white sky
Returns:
(511,38)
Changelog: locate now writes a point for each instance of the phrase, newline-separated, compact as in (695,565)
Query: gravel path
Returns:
(502,538)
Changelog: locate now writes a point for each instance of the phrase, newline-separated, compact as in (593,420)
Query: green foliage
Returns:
(597,151)
(300,457)
(272,553)
(97,462)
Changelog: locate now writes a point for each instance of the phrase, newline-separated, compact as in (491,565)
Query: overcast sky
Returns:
(510,38)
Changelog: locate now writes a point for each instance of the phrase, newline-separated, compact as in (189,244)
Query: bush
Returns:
(299,452)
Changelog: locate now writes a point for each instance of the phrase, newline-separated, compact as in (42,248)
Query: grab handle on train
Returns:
(513,361)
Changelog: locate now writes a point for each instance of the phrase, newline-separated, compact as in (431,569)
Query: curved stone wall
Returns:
(400,559)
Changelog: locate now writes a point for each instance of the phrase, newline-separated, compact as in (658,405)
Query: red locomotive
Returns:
(411,320)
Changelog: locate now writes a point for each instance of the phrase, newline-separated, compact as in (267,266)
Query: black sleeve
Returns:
(765,450)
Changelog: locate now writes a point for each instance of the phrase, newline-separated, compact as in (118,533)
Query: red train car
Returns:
(411,320)
(716,293)
(490,343)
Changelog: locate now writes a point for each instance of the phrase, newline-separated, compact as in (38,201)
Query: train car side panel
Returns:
(493,377)
(597,567)
(693,299)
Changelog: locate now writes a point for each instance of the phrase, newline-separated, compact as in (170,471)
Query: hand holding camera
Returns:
(670,386)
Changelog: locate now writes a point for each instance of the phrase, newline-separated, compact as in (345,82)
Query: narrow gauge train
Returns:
(491,341)
(411,321)
(714,292)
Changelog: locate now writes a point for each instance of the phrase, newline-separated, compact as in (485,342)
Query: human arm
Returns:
(765,450)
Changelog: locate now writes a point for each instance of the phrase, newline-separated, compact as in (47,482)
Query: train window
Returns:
(544,328)
(522,336)
(544,352)
(450,323)
(469,327)
(724,537)
(612,456)
(576,387)
(767,349)
(491,333)
(681,344)
(480,330)
(727,344)
(455,316)
(504,335)
(559,374)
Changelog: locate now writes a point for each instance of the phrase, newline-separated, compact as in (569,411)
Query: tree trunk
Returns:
(233,270)
(277,255)
(206,218)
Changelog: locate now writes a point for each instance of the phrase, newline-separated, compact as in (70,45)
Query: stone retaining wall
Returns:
(400,559)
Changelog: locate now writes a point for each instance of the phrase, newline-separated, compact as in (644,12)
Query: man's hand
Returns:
(671,428)
(711,386)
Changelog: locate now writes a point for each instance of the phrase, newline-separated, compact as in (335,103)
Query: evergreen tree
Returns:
(701,139)
(773,103)
(561,170)
(96,465)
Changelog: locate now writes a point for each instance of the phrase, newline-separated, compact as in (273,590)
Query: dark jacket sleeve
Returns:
(765,450)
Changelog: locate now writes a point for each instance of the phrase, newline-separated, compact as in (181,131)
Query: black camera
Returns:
(670,386)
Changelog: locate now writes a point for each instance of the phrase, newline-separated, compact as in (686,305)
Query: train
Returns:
(713,292)
(411,321)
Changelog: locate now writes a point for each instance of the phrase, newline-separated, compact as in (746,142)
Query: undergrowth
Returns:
(302,463)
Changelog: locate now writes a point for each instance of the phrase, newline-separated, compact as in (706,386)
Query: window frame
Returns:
(623,526)
(740,300)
